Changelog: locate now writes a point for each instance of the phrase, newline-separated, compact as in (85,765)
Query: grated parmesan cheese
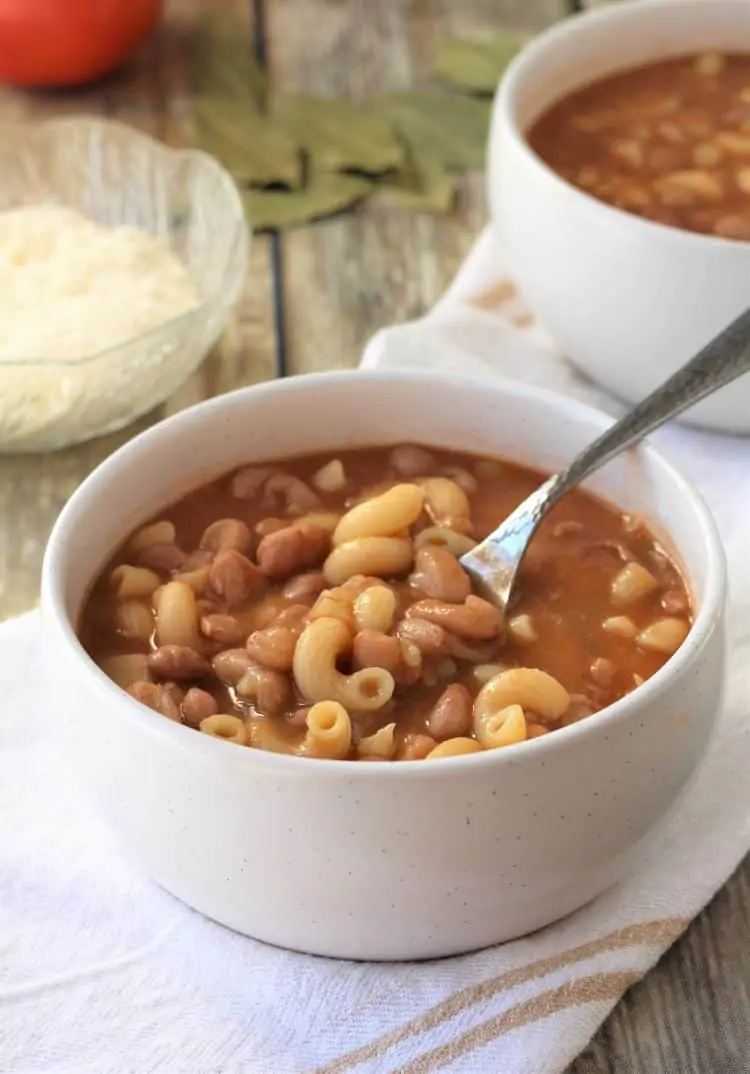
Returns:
(70,287)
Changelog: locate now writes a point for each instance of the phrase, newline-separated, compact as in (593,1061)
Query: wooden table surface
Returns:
(313,297)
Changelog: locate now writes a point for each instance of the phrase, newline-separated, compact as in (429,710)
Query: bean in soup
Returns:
(669,141)
(316,606)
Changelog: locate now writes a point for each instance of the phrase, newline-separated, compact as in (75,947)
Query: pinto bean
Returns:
(178,662)
(440,575)
(410,460)
(292,549)
(298,497)
(224,629)
(274,647)
(373,649)
(247,482)
(603,671)
(475,618)
(465,480)
(234,578)
(452,714)
(580,707)
(270,525)
(298,718)
(155,697)
(477,652)
(295,615)
(675,602)
(732,226)
(269,690)
(415,747)
(201,557)
(230,665)
(305,586)
(358,583)
(161,557)
(198,705)
(175,692)
(428,637)
(226,534)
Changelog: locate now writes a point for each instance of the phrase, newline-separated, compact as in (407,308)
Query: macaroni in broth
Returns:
(317,607)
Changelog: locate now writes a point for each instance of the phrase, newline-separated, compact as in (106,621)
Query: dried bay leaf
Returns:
(476,66)
(447,127)
(256,150)
(324,194)
(422,184)
(338,135)
(223,65)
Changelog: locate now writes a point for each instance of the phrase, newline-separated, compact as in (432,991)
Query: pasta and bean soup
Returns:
(669,141)
(316,606)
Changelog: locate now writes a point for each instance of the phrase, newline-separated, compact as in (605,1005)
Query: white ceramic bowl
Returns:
(380,861)
(627,299)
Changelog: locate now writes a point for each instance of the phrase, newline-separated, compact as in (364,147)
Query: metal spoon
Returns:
(494,563)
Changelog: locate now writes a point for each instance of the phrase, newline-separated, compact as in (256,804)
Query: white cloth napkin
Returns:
(101,972)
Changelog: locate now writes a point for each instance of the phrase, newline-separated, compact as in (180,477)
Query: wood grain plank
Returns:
(346,277)
(153,93)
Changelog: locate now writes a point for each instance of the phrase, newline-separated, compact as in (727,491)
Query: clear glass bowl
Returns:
(116,175)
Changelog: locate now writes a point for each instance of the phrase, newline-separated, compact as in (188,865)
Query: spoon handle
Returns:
(722,360)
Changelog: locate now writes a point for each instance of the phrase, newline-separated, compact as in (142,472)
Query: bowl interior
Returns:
(313,413)
(582,50)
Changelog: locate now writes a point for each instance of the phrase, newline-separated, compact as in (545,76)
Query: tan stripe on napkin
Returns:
(495,296)
(593,989)
(663,932)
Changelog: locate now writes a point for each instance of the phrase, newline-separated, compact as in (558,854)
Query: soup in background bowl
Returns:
(668,141)
(627,299)
(382,860)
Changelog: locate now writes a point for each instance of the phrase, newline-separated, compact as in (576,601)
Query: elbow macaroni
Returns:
(134,619)
(382,516)
(126,668)
(222,725)
(132,583)
(320,645)
(176,615)
(445,499)
(378,556)
(263,734)
(329,731)
(501,704)
(504,727)
(311,601)
(331,477)
(375,609)
(632,583)
(457,543)
(162,532)
(455,747)
(380,744)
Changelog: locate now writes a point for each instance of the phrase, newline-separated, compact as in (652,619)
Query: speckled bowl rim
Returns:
(185,738)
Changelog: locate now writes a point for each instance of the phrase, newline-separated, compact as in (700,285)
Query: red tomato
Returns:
(68,42)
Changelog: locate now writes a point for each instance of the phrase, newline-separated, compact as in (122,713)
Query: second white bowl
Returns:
(628,300)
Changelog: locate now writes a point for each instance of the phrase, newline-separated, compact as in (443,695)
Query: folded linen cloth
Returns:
(101,972)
